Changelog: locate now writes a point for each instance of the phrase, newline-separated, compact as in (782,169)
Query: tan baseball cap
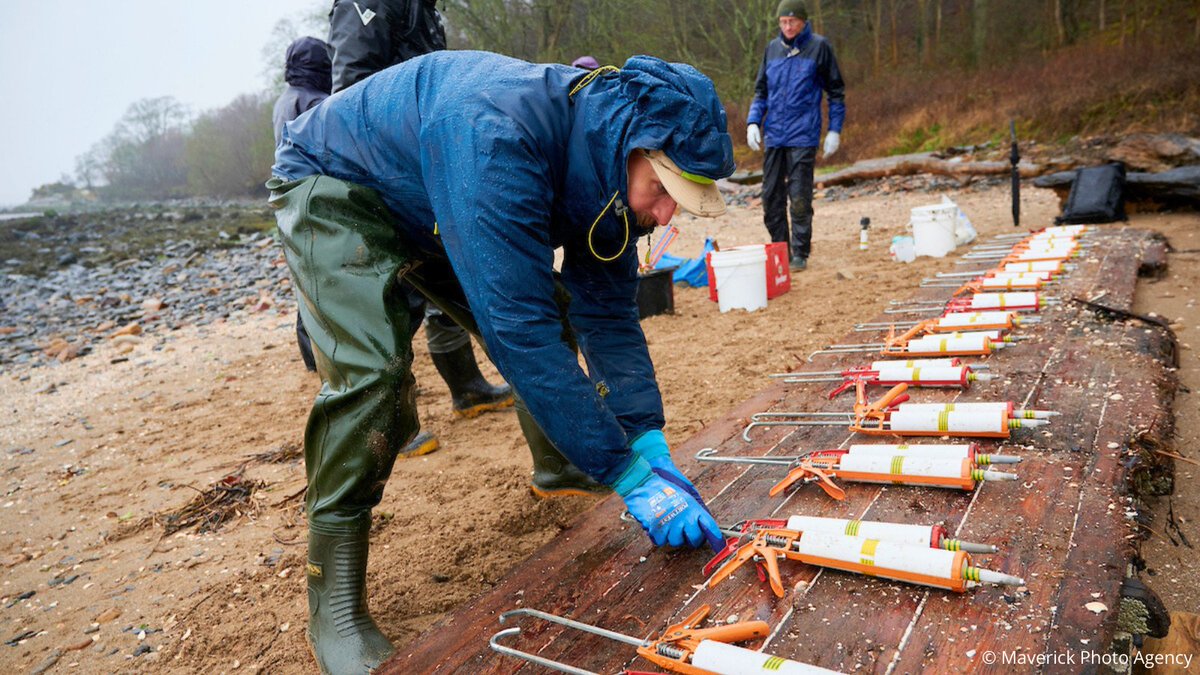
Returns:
(696,194)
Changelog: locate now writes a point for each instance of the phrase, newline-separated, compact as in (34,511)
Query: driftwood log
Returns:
(1174,188)
(1155,153)
(922,162)
(1067,526)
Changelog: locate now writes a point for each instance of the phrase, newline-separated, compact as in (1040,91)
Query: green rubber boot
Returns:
(341,633)
(553,474)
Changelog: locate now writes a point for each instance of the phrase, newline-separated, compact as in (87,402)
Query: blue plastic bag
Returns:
(690,271)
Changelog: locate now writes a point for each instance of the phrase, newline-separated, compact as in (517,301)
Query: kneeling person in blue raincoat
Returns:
(462,172)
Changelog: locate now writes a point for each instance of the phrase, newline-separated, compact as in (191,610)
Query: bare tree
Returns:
(877,30)
(89,168)
(230,150)
(895,39)
(937,31)
(922,33)
(979,25)
(143,156)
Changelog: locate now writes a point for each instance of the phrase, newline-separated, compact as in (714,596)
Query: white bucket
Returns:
(933,229)
(741,277)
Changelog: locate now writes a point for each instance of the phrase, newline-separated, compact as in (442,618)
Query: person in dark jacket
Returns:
(367,36)
(308,73)
(461,173)
(370,35)
(797,67)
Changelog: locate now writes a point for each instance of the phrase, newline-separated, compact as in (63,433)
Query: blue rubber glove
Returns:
(665,510)
(652,447)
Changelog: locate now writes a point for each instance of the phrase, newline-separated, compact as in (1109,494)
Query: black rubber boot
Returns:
(341,632)
(305,345)
(553,474)
(472,394)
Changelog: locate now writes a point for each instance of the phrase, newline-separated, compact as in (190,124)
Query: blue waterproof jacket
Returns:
(787,92)
(493,163)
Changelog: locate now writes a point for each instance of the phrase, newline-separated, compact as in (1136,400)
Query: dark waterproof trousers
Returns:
(347,265)
(788,177)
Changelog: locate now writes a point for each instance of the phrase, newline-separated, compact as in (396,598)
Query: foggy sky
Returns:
(70,68)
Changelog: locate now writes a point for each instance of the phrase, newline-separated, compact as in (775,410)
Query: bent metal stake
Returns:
(954,466)
(951,570)
(892,416)
(682,648)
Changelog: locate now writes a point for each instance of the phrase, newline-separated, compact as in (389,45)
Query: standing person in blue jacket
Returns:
(796,68)
(460,173)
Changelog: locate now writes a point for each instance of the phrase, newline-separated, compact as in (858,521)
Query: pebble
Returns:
(76,307)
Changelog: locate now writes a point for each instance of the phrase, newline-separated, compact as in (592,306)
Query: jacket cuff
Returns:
(651,445)
(637,473)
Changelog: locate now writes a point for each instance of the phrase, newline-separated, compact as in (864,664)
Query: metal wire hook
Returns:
(532,658)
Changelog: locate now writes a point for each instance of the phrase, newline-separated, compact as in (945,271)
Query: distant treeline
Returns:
(911,66)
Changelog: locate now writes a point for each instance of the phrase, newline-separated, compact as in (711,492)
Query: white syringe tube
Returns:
(968,320)
(726,659)
(927,419)
(903,562)
(942,345)
(958,451)
(992,284)
(928,450)
(1040,276)
(1052,266)
(1003,300)
(914,363)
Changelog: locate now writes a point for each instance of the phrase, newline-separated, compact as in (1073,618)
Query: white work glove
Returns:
(832,141)
(754,137)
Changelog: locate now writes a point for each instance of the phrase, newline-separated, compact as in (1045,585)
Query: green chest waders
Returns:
(345,260)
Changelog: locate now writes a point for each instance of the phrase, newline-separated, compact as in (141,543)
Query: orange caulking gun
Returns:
(682,648)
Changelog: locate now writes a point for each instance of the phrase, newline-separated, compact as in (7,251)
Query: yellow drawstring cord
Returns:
(585,81)
(624,212)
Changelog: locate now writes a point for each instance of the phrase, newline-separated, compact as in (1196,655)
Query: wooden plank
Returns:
(1055,527)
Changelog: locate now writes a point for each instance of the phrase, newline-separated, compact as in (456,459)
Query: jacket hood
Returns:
(309,65)
(648,104)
